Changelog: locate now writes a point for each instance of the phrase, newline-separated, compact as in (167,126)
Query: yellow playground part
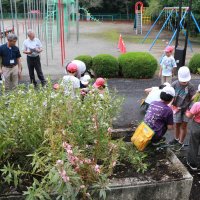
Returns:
(142,136)
(146,19)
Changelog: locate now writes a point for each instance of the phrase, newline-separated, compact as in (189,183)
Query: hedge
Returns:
(86,59)
(137,65)
(194,64)
(105,65)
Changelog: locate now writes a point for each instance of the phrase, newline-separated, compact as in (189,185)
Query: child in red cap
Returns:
(167,66)
(70,83)
(100,85)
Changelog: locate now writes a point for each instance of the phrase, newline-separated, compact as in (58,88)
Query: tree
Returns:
(91,3)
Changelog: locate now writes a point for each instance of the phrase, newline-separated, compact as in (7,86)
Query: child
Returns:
(159,116)
(100,85)
(153,95)
(167,66)
(183,98)
(194,143)
(70,83)
(84,81)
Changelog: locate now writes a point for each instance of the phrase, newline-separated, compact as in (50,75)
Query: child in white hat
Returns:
(182,101)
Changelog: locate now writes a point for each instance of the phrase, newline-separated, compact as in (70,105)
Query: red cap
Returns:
(99,82)
(169,49)
(72,68)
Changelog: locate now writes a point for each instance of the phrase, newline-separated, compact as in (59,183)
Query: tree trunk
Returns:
(127,11)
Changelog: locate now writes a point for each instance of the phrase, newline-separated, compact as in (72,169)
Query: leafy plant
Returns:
(137,65)
(86,59)
(58,146)
(105,65)
(194,63)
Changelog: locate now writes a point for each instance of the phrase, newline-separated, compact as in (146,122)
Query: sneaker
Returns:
(178,146)
(173,142)
(192,167)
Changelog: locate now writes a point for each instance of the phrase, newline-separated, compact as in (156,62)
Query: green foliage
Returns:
(137,65)
(194,63)
(53,144)
(86,59)
(105,65)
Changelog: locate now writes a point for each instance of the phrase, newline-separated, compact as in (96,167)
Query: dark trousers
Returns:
(34,63)
(194,143)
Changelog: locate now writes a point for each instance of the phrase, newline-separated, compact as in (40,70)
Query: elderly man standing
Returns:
(33,47)
(11,66)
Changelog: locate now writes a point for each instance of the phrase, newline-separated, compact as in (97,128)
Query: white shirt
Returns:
(70,84)
(154,95)
(31,45)
(167,64)
(81,67)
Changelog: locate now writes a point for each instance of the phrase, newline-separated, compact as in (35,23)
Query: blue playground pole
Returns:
(195,21)
(157,36)
(146,36)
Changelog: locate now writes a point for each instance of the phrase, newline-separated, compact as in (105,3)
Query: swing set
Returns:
(171,13)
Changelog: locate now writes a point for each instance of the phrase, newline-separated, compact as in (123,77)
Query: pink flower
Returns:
(88,161)
(95,141)
(97,168)
(64,176)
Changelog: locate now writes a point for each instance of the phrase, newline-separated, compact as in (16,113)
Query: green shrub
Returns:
(137,65)
(86,59)
(194,63)
(105,65)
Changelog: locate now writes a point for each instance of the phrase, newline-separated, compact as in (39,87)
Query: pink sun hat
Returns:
(169,49)
(99,82)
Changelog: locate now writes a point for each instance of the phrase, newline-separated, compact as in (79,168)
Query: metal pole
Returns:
(11,9)
(44,10)
(16,22)
(77,20)
(25,16)
(188,28)
(178,24)
(2,22)
(152,26)
(157,36)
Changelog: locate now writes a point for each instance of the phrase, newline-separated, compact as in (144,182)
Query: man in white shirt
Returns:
(33,47)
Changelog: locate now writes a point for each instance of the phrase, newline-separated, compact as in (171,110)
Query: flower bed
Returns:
(50,143)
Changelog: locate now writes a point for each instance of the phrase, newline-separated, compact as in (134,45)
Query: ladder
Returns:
(139,23)
(50,23)
(50,19)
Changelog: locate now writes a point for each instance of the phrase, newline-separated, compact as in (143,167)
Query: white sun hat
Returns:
(169,90)
(184,74)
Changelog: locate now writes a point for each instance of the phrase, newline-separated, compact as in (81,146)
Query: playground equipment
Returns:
(138,17)
(171,12)
(49,19)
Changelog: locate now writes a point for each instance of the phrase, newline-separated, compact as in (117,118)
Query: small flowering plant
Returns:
(56,144)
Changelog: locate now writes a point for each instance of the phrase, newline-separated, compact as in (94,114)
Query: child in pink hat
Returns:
(100,85)
(167,66)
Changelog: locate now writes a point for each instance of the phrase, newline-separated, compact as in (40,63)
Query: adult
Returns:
(33,47)
(81,68)
(11,66)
